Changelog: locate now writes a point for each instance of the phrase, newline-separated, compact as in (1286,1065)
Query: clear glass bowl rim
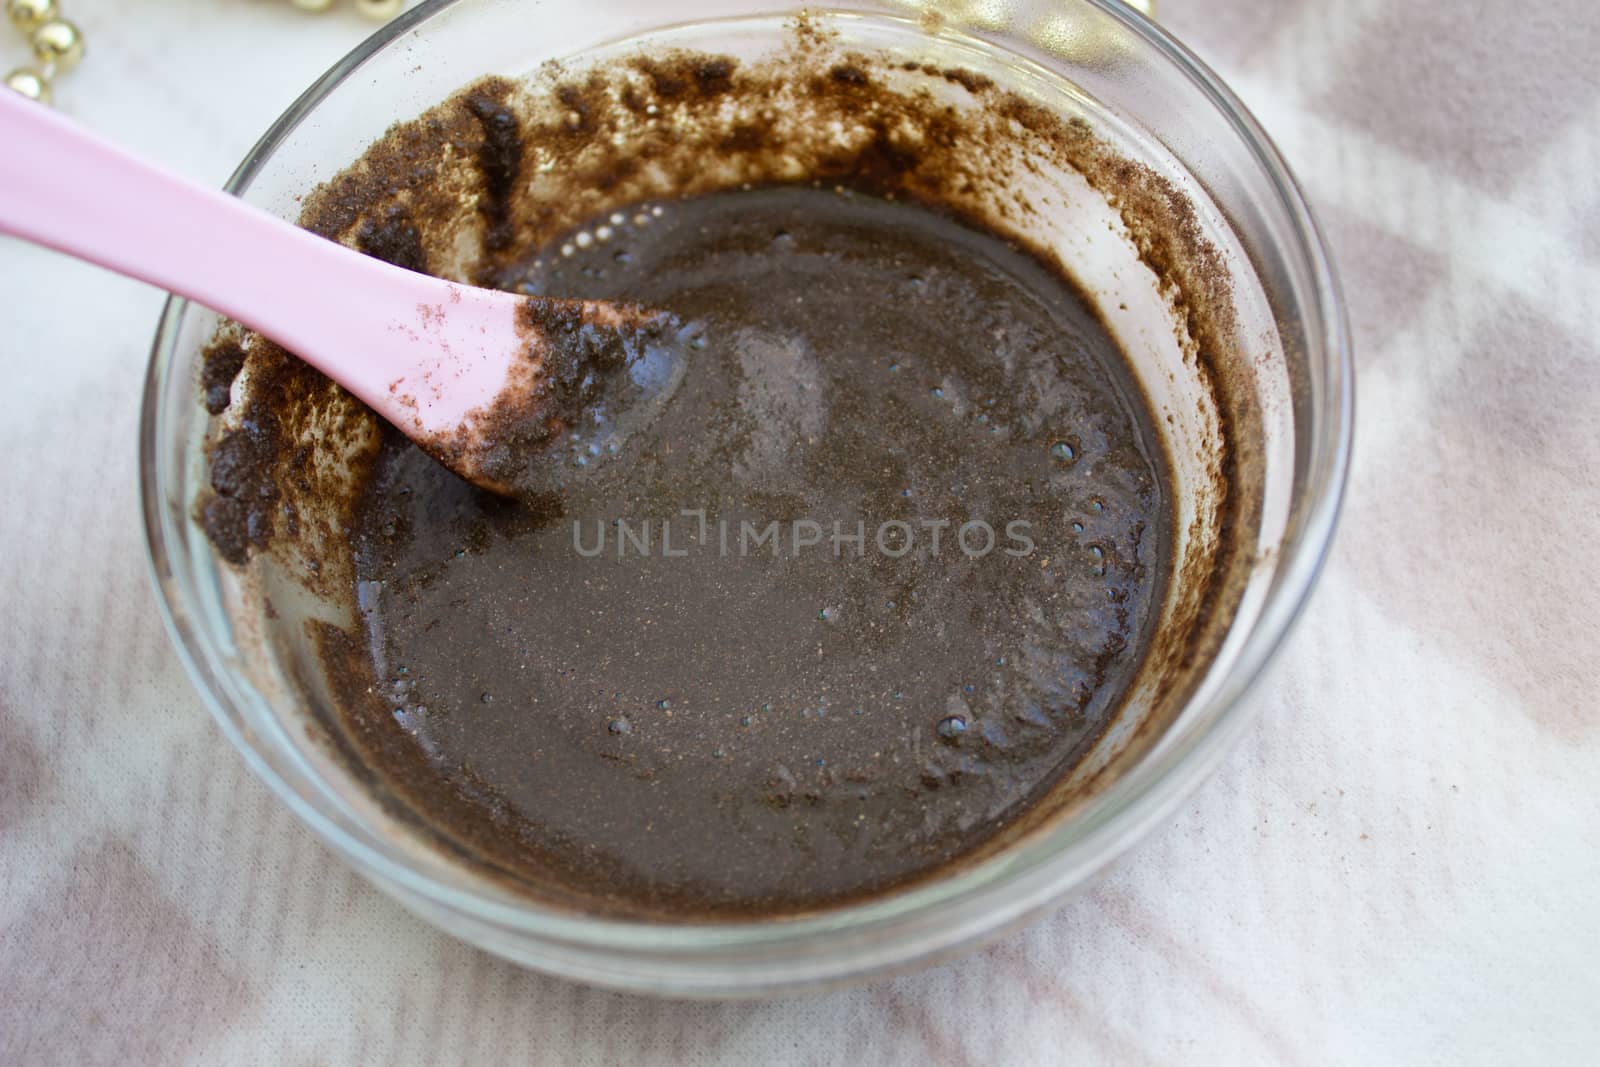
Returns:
(936,917)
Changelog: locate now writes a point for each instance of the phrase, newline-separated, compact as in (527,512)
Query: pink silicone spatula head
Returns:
(481,379)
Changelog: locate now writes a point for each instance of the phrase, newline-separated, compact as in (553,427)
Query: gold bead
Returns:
(379,10)
(25,15)
(30,83)
(58,44)
(312,5)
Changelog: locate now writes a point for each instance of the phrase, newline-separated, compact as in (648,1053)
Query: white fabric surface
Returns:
(1398,865)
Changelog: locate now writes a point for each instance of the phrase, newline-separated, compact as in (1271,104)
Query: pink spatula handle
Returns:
(63,187)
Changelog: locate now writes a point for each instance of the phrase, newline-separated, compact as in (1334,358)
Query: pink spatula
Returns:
(479,378)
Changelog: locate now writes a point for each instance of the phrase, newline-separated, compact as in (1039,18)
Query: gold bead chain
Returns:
(58,44)
(377,10)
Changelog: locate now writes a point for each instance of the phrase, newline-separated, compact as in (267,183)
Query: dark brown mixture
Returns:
(677,727)
(664,702)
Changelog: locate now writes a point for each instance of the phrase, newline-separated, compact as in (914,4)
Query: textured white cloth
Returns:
(1398,865)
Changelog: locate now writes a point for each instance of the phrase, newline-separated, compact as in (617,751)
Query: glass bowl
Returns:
(1094,59)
